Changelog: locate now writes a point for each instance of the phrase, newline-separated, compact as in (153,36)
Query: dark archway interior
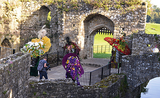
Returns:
(6,43)
(43,15)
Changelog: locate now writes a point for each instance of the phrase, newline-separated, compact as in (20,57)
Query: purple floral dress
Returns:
(72,66)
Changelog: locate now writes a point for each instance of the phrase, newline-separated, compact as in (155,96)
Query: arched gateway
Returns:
(92,25)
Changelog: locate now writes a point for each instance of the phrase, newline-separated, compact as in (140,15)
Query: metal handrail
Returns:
(89,78)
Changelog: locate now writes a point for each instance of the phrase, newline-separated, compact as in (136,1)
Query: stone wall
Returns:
(66,89)
(14,75)
(140,68)
(80,23)
(9,23)
(142,65)
(144,43)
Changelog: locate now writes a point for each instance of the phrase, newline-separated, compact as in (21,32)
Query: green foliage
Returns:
(156,37)
(4,92)
(35,93)
(143,87)
(149,10)
(153,17)
(44,93)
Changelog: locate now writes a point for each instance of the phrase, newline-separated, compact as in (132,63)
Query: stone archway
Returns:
(92,24)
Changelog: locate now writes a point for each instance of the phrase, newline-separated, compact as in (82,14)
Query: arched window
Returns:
(44,16)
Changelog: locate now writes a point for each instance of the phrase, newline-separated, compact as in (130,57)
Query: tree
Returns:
(148,18)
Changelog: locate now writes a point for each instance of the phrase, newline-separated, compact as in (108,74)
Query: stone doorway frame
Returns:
(92,23)
(92,35)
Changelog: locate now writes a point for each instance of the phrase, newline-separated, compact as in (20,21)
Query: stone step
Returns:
(95,62)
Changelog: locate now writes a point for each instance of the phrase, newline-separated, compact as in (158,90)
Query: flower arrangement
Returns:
(122,44)
(35,48)
(38,46)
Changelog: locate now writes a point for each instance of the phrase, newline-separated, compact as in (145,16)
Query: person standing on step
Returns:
(42,68)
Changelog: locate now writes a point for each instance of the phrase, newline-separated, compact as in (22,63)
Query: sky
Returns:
(156,2)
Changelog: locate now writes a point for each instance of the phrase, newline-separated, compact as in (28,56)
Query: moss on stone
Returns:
(108,81)
(44,93)
(32,83)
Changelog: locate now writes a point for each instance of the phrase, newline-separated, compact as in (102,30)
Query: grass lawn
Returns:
(104,52)
(99,39)
(102,55)
(151,28)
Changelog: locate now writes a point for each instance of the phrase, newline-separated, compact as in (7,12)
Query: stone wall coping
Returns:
(43,81)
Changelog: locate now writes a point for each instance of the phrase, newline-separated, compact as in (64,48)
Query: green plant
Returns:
(35,93)
(44,93)
(66,9)
(9,71)
(143,87)
(156,37)
(4,92)
(32,86)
